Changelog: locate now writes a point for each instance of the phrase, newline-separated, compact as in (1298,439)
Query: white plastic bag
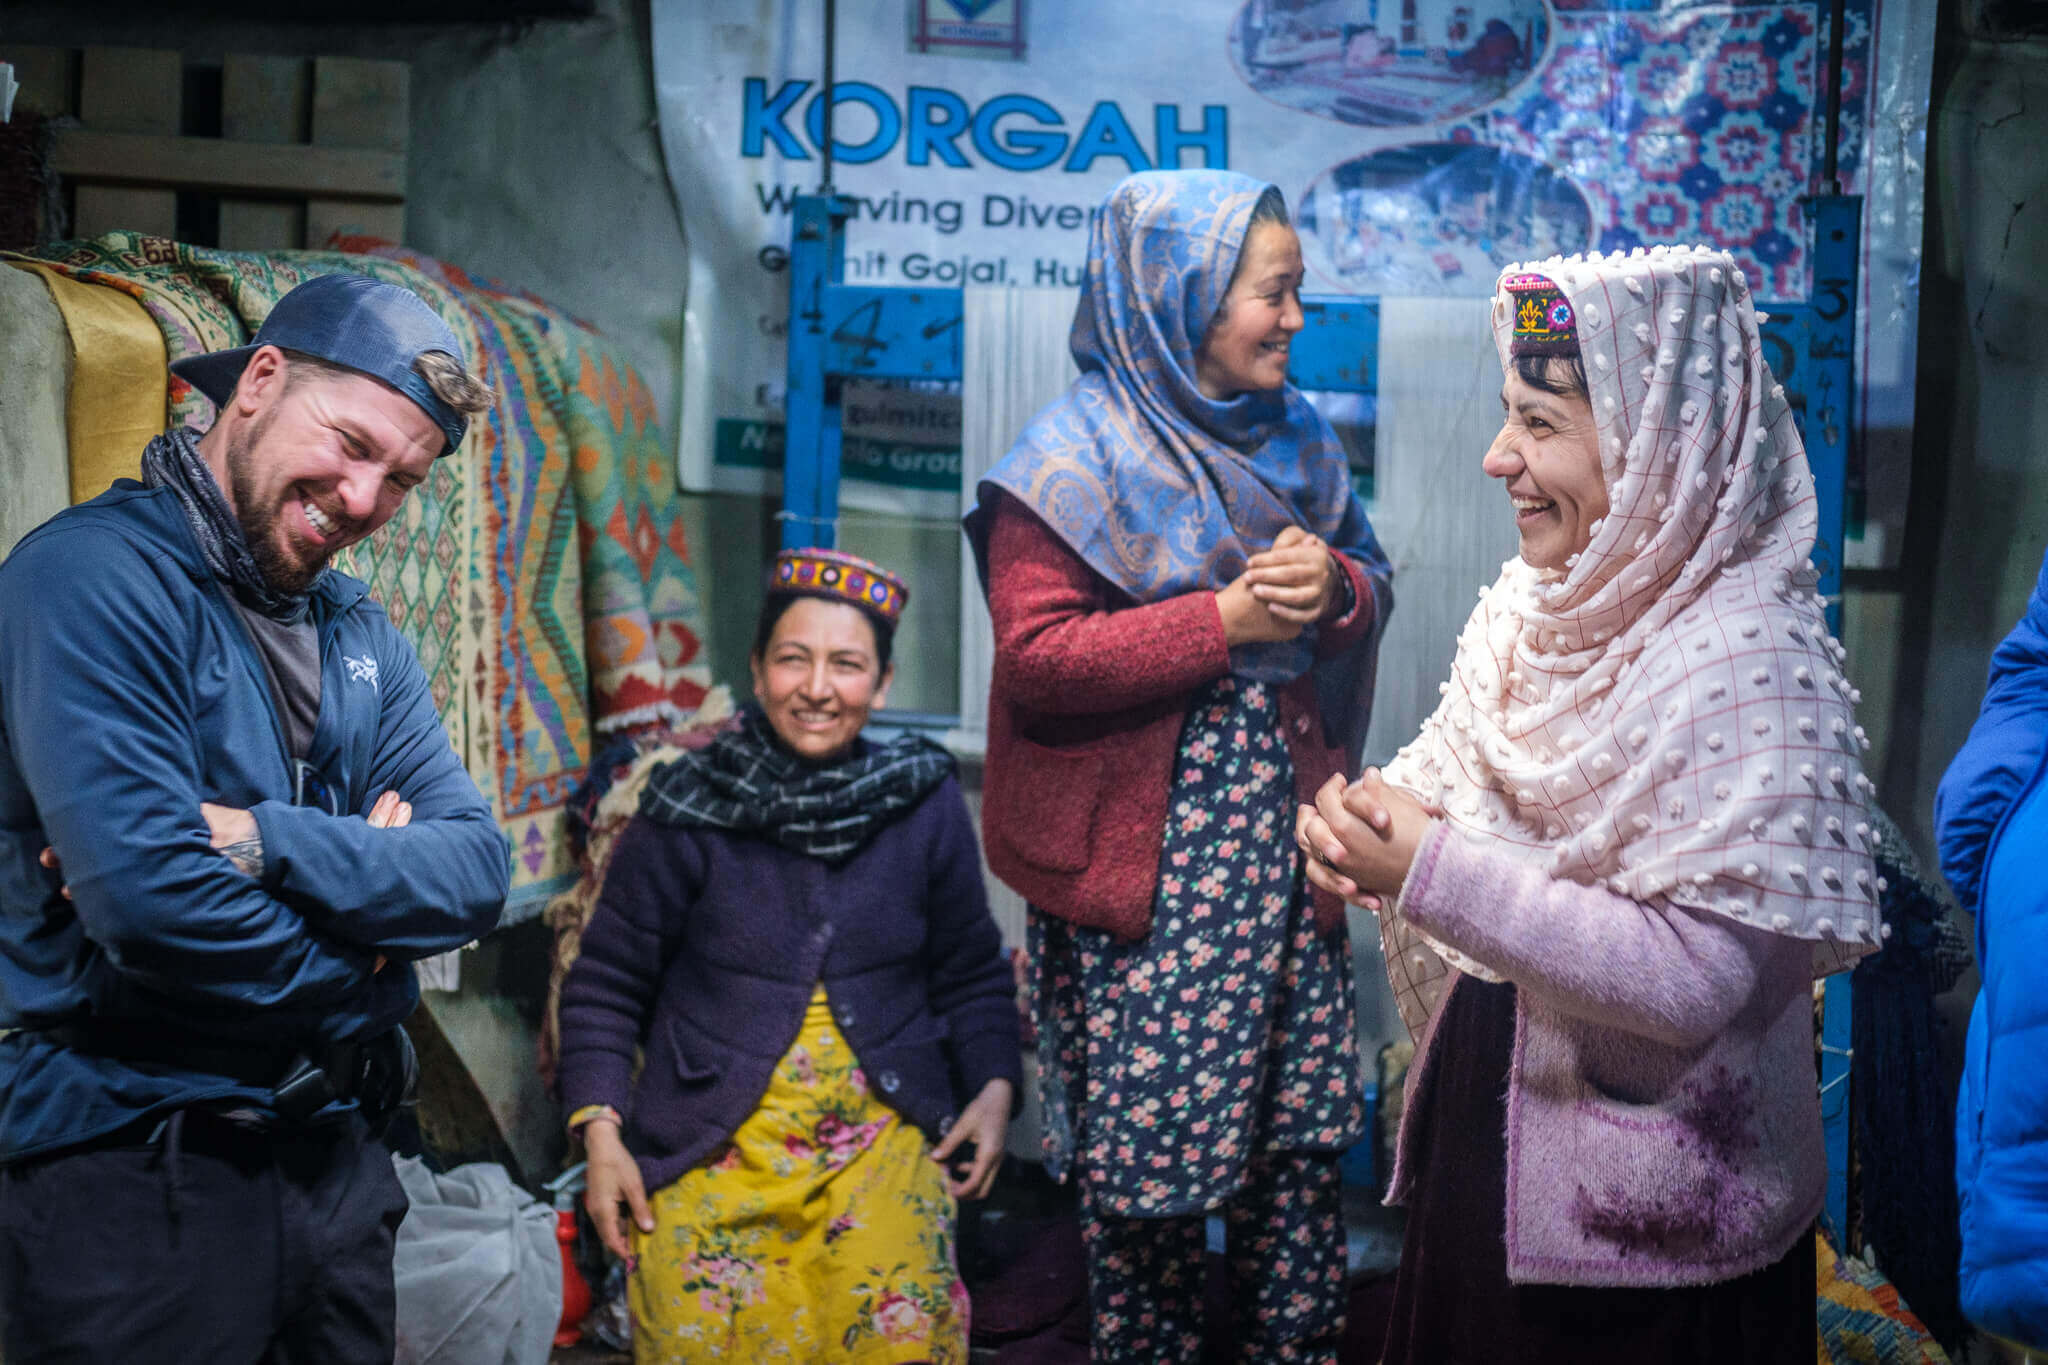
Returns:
(479,1274)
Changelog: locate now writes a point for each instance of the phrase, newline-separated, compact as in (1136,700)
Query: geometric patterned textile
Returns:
(540,571)
(599,813)
(1862,1319)
(1686,125)
(840,577)
(599,623)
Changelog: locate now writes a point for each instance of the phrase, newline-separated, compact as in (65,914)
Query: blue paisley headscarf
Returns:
(1159,488)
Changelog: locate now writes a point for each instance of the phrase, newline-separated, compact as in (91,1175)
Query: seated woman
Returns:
(795,935)
(1625,843)
(1179,574)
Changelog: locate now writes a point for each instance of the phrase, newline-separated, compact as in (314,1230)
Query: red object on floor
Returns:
(575,1289)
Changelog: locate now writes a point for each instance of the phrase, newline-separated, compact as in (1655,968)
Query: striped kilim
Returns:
(541,572)
(1862,1320)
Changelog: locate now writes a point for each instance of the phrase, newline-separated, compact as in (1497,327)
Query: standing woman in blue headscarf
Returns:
(1187,599)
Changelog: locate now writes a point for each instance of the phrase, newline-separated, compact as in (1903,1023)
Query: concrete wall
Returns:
(35,377)
(1979,518)
(1981,446)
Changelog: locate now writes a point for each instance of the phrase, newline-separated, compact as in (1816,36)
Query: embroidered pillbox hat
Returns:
(839,577)
(1543,323)
(367,325)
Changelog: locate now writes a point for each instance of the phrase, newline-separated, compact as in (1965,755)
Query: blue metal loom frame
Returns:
(840,331)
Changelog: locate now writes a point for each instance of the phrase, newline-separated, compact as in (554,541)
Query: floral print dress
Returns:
(1168,1063)
(822,1231)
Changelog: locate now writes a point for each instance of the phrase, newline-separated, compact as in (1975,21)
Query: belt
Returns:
(257,1065)
(304,1079)
(202,1130)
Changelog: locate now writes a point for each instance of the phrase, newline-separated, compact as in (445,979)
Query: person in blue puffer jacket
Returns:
(1991,818)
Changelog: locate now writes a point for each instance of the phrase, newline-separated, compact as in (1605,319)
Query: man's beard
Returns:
(259,524)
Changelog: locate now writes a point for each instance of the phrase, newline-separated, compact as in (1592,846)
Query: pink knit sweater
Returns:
(1663,1126)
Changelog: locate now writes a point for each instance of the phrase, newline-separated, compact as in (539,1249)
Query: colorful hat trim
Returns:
(840,577)
(1544,324)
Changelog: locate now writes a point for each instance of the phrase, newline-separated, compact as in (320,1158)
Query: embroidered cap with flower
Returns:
(840,577)
(1543,317)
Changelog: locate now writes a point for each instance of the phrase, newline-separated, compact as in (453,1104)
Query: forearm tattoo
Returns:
(247,856)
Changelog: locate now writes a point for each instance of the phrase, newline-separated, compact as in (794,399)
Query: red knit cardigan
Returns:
(1086,702)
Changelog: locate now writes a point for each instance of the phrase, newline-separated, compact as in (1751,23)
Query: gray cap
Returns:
(366,325)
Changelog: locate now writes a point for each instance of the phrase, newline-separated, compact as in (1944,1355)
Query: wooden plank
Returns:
(359,103)
(264,99)
(49,86)
(128,91)
(131,90)
(226,166)
(127,163)
(107,208)
(325,217)
(48,77)
(367,104)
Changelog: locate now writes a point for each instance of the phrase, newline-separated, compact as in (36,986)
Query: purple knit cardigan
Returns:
(1663,1125)
(705,949)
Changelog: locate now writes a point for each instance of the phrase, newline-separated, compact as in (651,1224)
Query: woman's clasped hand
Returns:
(1281,590)
(1359,838)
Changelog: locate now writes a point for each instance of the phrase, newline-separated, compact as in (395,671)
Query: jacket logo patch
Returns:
(362,670)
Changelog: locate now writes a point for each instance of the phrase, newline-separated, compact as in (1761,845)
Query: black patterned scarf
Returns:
(747,782)
(173,461)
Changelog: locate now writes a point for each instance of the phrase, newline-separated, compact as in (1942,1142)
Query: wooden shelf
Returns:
(216,164)
(311,146)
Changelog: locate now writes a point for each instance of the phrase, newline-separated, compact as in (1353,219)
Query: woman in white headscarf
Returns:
(1618,853)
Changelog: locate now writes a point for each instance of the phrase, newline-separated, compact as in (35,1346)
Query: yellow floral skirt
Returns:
(822,1232)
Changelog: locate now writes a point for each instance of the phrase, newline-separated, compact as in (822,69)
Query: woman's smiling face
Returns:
(1547,456)
(1247,343)
(819,677)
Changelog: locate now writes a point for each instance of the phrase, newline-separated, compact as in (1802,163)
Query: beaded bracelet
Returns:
(593,1111)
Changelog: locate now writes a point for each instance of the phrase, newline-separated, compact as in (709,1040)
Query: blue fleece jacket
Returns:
(1991,816)
(130,692)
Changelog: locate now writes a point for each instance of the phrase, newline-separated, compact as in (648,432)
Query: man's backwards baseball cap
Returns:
(366,325)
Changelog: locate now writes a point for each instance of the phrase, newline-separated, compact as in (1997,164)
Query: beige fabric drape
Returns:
(118,380)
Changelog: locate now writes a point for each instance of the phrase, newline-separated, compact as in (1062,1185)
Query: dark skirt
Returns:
(1453,1302)
(1229,1030)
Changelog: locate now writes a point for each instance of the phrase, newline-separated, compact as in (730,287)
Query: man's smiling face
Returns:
(325,459)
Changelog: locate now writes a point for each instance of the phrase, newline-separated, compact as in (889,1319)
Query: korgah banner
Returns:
(1422,144)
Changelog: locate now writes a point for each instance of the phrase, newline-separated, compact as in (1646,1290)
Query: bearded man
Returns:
(230,821)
